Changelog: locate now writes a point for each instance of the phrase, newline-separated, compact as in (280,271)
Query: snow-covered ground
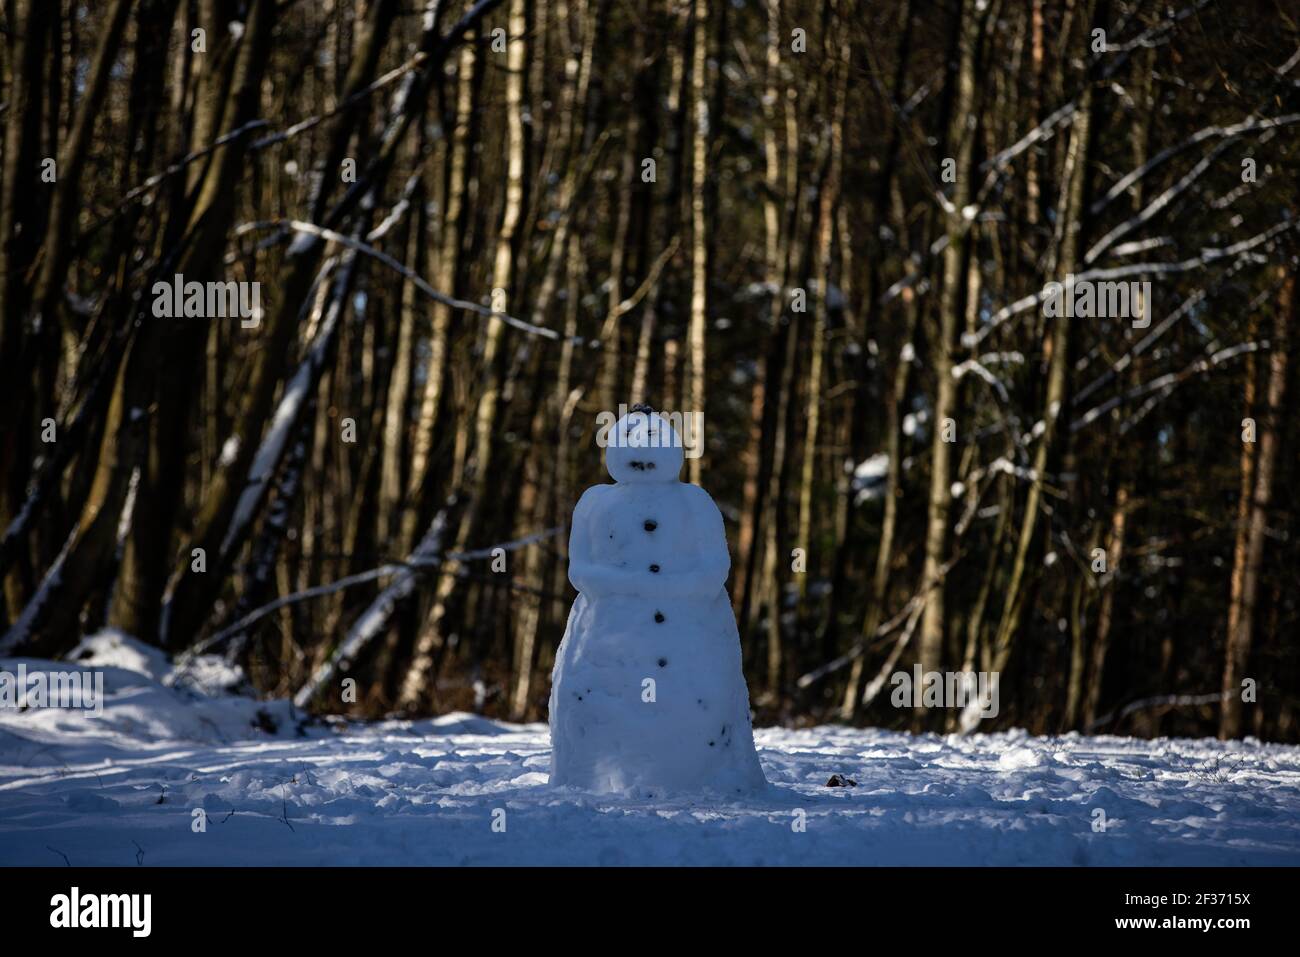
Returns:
(123,788)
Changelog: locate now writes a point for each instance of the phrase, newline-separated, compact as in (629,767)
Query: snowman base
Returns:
(657,716)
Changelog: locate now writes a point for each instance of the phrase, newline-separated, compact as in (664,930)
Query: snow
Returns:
(21,630)
(278,789)
(869,478)
(229,451)
(375,617)
(286,417)
(648,695)
(913,421)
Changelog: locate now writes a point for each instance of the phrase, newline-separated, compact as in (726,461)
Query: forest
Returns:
(987,310)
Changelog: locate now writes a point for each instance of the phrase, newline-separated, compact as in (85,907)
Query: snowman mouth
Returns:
(642,466)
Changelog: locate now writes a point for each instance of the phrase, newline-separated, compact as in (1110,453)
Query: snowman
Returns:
(648,697)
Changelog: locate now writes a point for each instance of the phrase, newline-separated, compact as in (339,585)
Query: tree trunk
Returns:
(961,140)
(701,143)
(1248,564)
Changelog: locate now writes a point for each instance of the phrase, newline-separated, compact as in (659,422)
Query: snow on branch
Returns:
(908,612)
(304,125)
(375,618)
(412,564)
(1166,383)
(320,232)
(297,392)
(1159,701)
(179,166)
(1252,125)
(20,631)
(1209,254)
(1161,202)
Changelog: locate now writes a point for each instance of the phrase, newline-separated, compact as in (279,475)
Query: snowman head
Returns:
(643,447)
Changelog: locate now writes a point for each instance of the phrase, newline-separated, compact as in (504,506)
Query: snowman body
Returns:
(648,697)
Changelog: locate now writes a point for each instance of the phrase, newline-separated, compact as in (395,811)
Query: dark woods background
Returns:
(797,266)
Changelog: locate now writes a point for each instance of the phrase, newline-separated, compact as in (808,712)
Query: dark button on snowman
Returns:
(648,697)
